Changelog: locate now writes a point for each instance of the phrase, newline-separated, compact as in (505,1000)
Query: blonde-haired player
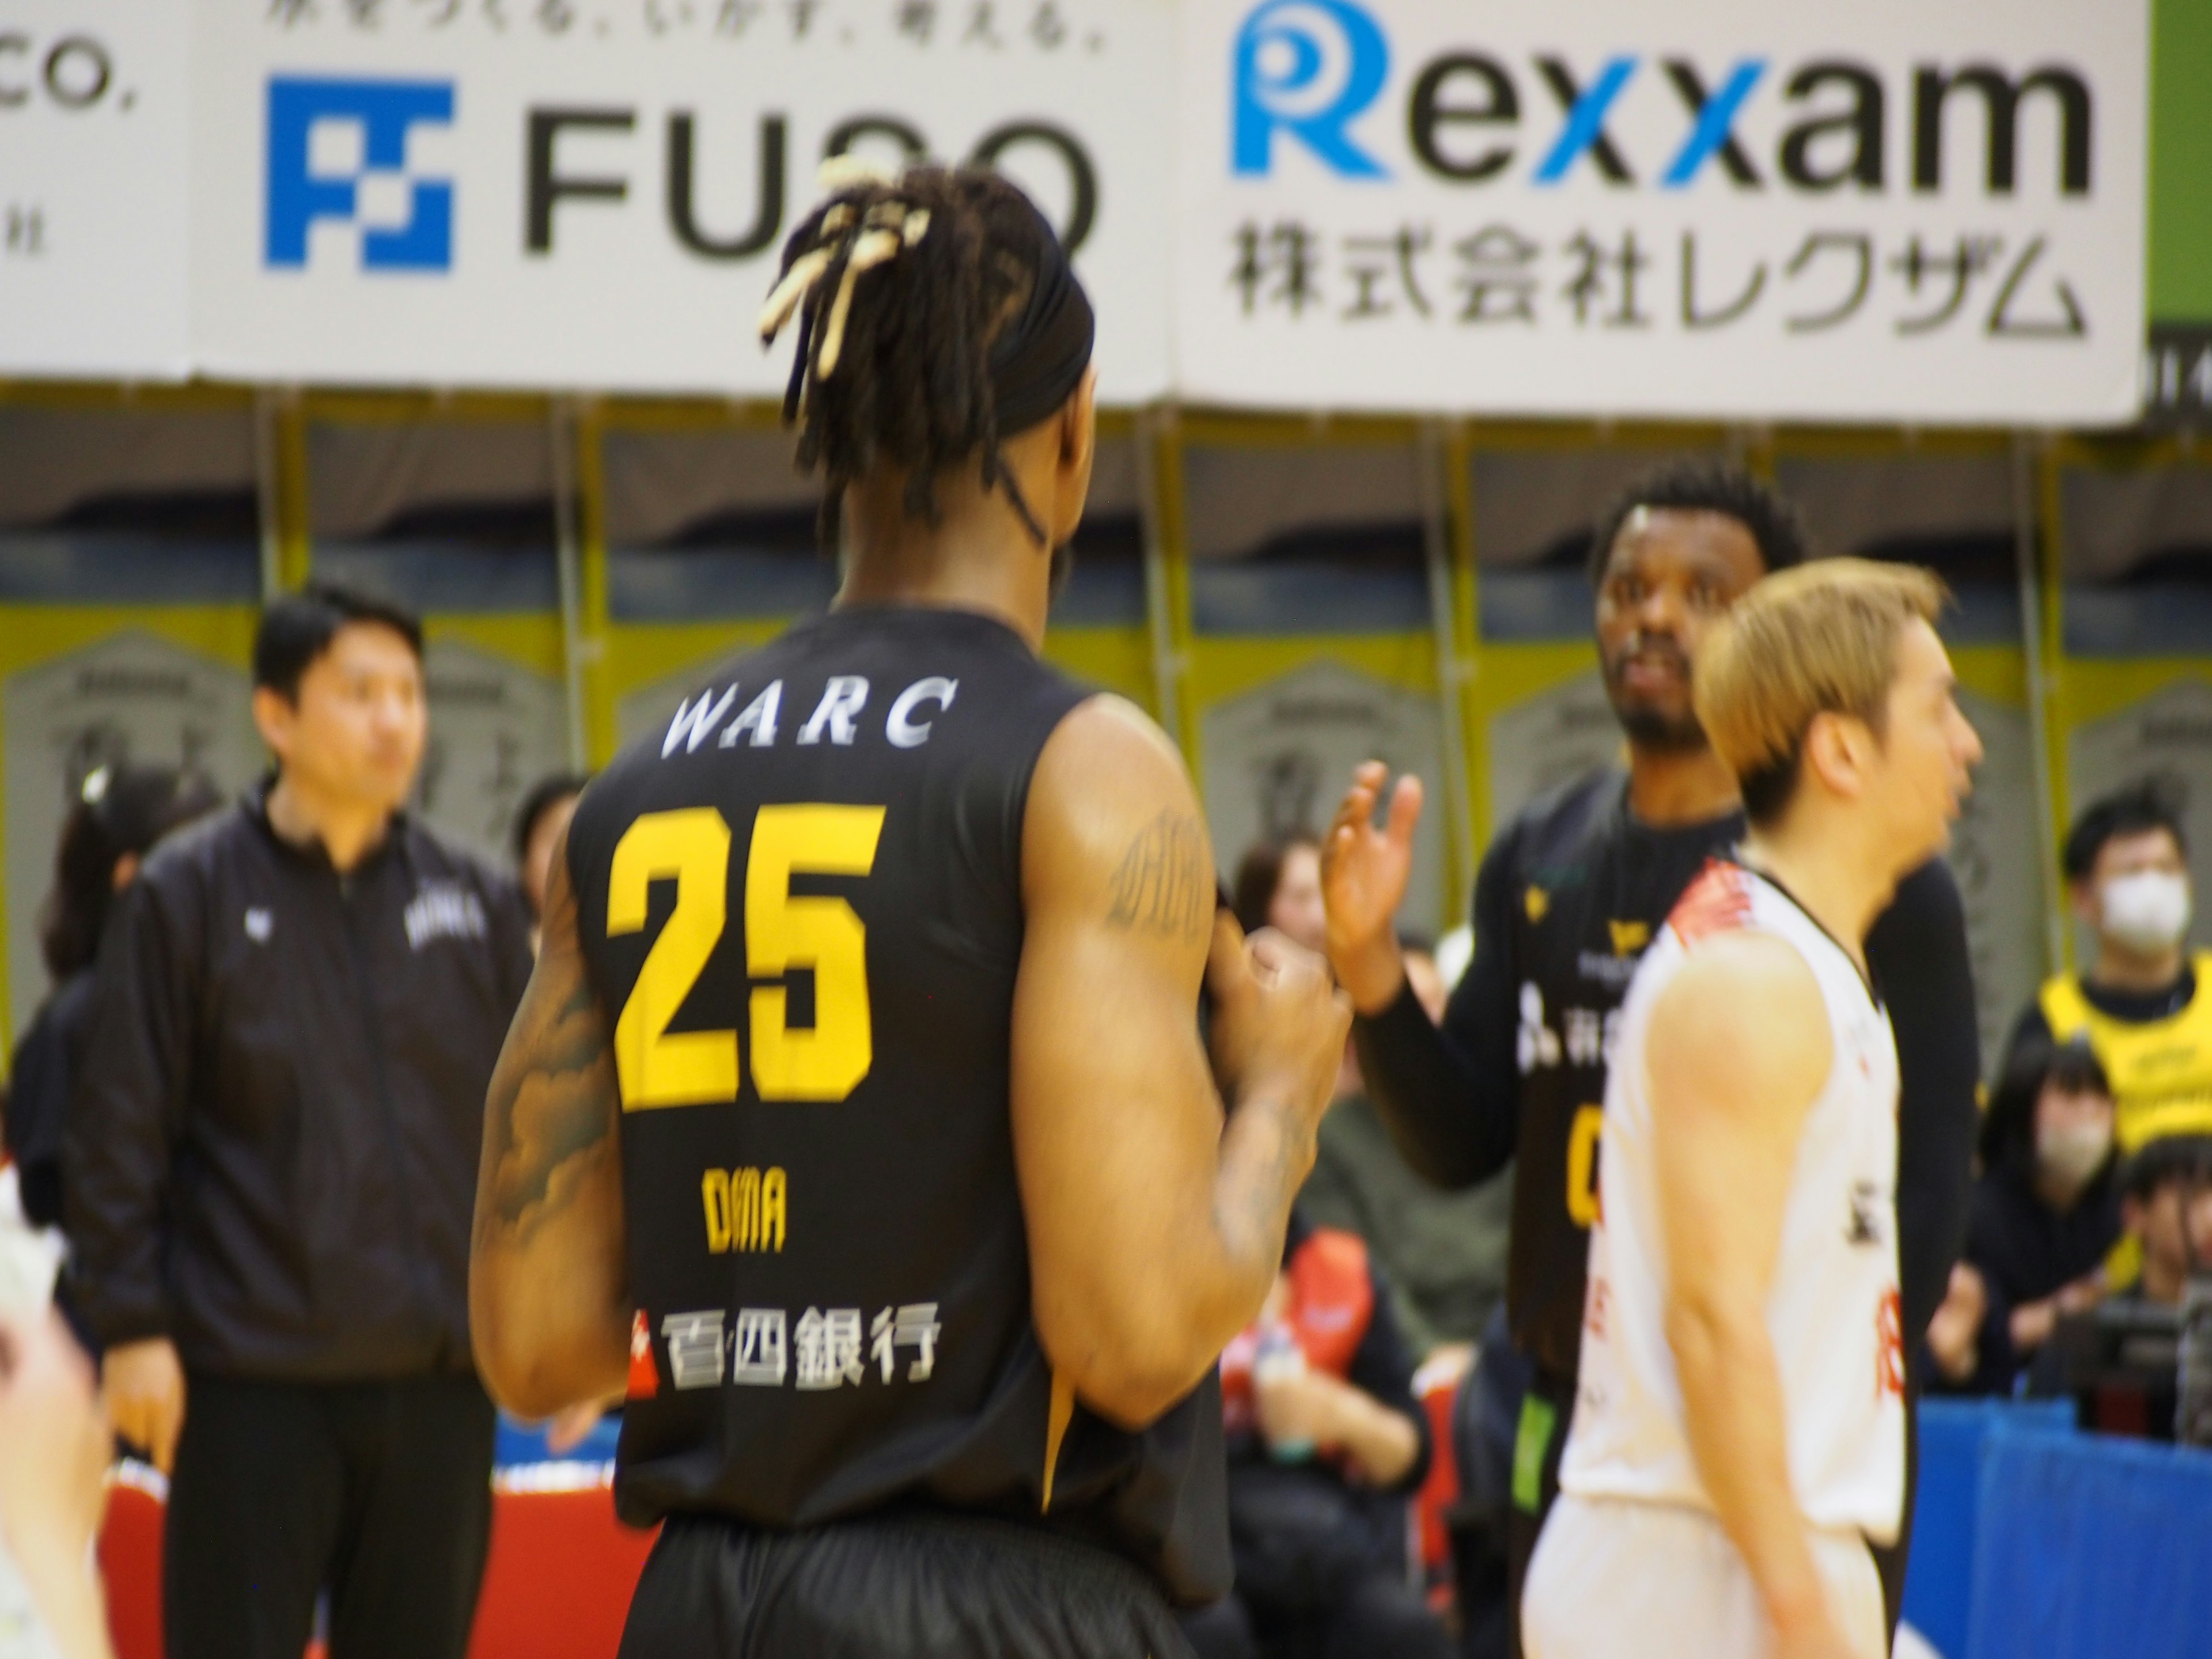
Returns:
(1739,1432)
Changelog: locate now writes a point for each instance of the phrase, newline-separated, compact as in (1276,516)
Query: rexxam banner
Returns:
(1898,210)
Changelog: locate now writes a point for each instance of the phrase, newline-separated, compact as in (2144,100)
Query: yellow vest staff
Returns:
(2160,1069)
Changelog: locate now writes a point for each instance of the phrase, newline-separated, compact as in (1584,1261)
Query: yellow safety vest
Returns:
(2160,1069)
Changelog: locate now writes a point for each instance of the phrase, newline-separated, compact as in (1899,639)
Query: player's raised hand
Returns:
(1363,872)
(1279,1022)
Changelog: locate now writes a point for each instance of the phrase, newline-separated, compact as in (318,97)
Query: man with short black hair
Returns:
(2144,1003)
(267,1176)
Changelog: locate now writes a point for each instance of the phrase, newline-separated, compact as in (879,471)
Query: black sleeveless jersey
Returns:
(801,907)
(1585,887)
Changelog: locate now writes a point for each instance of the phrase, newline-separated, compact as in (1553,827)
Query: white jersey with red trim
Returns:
(1833,1311)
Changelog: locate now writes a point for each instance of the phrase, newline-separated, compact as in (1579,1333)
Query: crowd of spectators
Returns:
(2094,1190)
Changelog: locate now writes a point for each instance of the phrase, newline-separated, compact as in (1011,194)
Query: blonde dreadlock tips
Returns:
(889,228)
(870,248)
(838,173)
(805,271)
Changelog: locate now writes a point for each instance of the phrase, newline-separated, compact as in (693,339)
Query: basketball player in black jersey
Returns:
(1567,898)
(857,1125)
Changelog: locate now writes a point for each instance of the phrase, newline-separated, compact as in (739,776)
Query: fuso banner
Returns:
(594,192)
(92,202)
(1919,210)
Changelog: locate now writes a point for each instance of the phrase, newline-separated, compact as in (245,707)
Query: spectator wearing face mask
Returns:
(2046,1214)
(2144,1004)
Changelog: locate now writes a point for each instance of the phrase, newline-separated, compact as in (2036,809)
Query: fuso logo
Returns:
(338,152)
(1307,67)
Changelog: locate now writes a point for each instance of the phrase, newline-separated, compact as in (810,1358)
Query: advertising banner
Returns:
(92,202)
(595,193)
(1923,210)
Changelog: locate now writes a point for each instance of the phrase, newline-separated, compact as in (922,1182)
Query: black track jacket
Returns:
(271,1154)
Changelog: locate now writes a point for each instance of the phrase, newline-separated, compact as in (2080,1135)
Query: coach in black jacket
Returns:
(271,1166)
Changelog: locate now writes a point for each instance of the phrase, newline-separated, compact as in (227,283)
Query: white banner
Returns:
(1769,209)
(1920,210)
(92,202)
(594,193)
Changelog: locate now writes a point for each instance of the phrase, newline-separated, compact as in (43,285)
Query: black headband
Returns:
(1037,363)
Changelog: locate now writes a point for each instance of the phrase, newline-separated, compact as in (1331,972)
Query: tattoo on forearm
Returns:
(552,1106)
(1164,883)
(1274,1161)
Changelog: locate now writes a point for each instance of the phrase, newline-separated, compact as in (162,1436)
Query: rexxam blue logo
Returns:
(1307,67)
(337,151)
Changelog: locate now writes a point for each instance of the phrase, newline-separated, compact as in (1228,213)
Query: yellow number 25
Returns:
(660,1067)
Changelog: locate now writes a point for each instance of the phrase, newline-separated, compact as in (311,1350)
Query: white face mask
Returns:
(2146,911)
(2071,1153)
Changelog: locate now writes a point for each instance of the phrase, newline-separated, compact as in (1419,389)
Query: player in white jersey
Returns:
(1739,1432)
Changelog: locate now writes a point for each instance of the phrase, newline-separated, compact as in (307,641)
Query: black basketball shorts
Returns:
(922,1584)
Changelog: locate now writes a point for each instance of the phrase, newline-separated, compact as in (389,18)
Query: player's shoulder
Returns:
(1560,823)
(1737,975)
(1106,756)
(1720,899)
(1109,788)
(1744,993)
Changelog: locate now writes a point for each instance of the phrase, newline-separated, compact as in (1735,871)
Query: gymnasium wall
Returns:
(1287,595)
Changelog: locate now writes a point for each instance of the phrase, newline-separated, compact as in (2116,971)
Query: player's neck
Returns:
(1838,879)
(2118,968)
(1671,788)
(348,828)
(978,555)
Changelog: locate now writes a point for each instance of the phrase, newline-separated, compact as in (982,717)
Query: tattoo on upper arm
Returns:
(1164,883)
(553,1104)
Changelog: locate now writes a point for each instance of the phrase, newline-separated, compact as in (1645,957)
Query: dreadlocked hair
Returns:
(901,286)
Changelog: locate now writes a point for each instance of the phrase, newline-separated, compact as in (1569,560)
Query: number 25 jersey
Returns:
(802,908)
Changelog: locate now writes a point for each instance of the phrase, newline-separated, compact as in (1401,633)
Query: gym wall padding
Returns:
(1099,631)
(1939,1580)
(1312,644)
(712,549)
(2087,1546)
(1291,589)
(129,579)
(453,517)
(2133,631)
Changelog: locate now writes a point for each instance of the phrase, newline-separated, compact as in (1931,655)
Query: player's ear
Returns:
(1078,446)
(1838,751)
(275,715)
